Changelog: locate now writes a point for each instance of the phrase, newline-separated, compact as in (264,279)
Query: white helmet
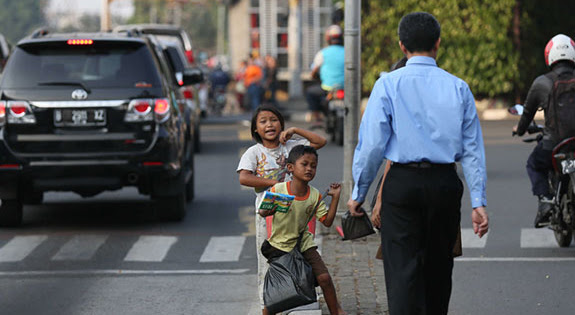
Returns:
(333,32)
(560,47)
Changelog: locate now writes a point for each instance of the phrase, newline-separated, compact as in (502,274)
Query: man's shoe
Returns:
(543,212)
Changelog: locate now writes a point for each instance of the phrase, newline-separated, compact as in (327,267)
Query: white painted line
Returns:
(119,272)
(515,259)
(19,247)
(80,247)
(223,249)
(538,238)
(151,248)
(470,240)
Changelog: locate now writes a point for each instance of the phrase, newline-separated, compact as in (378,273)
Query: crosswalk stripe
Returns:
(537,238)
(19,247)
(151,248)
(223,249)
(470,240)
(80,247)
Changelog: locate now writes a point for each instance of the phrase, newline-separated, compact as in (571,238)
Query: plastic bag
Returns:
(289,282)
(356,227)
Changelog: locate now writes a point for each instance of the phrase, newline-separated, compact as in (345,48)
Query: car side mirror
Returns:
(193,76)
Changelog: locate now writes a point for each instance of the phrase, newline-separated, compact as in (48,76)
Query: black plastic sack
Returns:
(356,227)
(289,283)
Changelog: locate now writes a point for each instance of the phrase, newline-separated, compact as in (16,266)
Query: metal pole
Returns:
(105,15)
(221,29)
(295,88)
(352,44)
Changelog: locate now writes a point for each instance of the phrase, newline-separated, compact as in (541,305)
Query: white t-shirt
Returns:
(268,163)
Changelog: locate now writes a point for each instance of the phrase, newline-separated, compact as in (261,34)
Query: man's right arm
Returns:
(537,97)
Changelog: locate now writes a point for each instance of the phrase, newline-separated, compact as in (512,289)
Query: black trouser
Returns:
(420,221)
(538,167)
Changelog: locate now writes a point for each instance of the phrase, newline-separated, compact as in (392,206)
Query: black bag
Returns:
(289,282)
(356,227)
(561,107)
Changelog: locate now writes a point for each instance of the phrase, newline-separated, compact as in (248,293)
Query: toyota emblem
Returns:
(79,94)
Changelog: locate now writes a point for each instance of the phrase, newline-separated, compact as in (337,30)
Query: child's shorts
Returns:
(311,256)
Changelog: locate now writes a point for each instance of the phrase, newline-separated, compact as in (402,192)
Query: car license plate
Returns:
(568,166)
(79,117)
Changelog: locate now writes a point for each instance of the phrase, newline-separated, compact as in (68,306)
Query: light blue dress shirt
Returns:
(420,113)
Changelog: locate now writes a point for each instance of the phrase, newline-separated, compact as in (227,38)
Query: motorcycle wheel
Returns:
(563,232)
(338,131)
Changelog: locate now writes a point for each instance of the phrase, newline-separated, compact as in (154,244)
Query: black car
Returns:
(89,113)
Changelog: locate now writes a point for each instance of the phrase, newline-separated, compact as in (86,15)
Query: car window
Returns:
(98,66)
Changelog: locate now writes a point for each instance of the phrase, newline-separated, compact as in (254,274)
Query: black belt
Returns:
(425,165)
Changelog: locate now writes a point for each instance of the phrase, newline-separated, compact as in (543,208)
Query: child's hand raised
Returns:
(334,189)
(286,135)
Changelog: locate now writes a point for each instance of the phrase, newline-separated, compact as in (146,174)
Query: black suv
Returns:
(93,112)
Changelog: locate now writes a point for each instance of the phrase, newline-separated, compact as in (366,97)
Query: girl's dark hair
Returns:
(419,31)
(299,151)
(254,126)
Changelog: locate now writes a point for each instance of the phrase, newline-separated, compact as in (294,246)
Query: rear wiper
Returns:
(64,83)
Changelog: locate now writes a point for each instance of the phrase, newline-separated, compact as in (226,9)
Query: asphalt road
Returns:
(108,254)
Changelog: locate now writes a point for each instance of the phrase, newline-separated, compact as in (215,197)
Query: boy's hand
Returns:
(265,213)
(334,189)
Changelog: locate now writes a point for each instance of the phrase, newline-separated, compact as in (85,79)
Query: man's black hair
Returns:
(419,31)
(299,151)
(254,125)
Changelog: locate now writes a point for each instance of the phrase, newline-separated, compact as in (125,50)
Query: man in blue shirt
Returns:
(329,66)
(423,119)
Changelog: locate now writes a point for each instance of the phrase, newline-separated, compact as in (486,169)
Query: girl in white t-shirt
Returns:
(264,164)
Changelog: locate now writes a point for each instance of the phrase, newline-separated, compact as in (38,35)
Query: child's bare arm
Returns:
(248,178)
(315,140)
(334,192)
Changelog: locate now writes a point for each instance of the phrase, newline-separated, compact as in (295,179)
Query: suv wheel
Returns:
(10,213)
(190,194)
(171,208)
(197,144)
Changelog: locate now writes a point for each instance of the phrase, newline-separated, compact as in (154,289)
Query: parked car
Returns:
(163,32)
(92,112)
(190,93)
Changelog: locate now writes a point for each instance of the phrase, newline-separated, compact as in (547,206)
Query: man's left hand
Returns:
(353,207)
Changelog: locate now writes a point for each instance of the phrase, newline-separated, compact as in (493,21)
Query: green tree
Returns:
(20,17)
(475,44)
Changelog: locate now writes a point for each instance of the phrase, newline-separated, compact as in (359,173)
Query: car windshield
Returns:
(100,65)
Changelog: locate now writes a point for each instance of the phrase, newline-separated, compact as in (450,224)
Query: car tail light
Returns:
(162,109)
(2,113)
(139,110)
(190,56)
(19,112)
(188,94)
(339,94)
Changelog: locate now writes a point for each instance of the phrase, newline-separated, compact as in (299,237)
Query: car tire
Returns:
(11,213)
(190,187)
(171,208)
(197,143)
(32,198)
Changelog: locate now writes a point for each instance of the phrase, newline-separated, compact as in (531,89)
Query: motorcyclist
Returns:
(329,65)
(219,79)
(560,57)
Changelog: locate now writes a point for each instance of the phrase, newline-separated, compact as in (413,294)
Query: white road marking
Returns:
(470,240)
(515,259)
(223,249)
(537,238)
(119,272)
(80,247)
(19,247)
(151,248)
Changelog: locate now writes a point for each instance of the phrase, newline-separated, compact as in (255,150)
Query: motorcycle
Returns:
(561,182)
(335,114)
(218,101)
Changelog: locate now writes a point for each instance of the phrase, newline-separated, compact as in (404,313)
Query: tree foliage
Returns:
(19,18)
(475,40)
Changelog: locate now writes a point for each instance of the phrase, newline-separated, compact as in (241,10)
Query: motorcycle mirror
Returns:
(516,110)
